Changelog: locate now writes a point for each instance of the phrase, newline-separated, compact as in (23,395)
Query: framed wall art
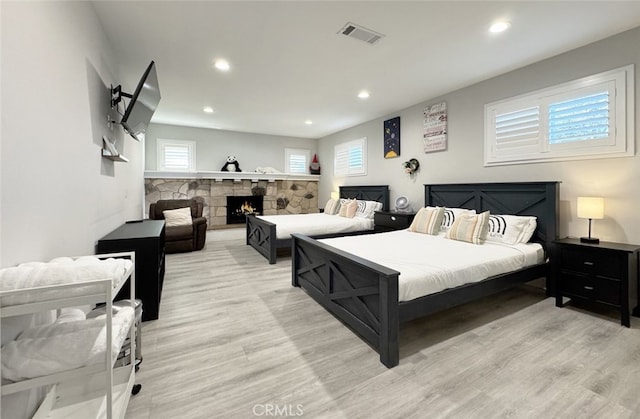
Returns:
(434,134)
(392,138)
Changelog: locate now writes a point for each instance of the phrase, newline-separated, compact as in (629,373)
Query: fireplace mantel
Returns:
(219,176)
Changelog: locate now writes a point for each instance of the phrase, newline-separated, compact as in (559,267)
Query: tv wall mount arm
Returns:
(117,94)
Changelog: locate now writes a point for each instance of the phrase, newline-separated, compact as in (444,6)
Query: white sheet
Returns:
(316,224)
(430,264)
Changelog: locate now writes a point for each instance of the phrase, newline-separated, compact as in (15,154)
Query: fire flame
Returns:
(246,208)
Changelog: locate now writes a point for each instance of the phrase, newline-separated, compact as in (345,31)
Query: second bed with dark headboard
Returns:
(364,294)
(262,234)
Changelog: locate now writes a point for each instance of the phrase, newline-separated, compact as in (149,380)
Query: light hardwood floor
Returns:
(235,340)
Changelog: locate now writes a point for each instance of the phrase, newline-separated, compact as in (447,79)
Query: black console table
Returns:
(146,238)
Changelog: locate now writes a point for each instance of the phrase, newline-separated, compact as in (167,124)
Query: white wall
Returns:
(59,196)
(614,179)
(213,147)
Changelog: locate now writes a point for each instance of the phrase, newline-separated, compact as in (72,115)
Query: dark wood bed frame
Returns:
(364,295)
(261,234)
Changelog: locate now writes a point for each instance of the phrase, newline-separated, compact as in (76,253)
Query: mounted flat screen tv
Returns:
(142,105)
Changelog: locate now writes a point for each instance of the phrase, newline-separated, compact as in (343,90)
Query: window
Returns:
(583,119)
(176,155)
(296,160)
(350,158)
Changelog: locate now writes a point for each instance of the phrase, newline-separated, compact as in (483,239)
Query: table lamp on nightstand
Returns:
(593,209)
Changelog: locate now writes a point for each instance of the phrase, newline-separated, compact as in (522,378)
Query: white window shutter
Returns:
(176,155)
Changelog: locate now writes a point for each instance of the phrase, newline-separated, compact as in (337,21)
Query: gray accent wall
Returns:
(615,179)
(213,146)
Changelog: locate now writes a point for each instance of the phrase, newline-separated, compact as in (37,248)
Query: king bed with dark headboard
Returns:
(262,234)
(364,294)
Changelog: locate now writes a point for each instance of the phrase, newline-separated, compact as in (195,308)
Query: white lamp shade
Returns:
(335,195)
(590,207)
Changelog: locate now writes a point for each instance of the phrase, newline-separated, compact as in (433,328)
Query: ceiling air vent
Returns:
(361,33)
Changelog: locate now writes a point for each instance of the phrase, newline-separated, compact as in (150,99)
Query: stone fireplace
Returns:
(282,195)
(240,206)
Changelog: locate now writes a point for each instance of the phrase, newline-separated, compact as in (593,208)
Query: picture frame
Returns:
(434,135)
(391,135)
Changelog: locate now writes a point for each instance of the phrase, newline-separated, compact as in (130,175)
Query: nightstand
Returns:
(605,273)
(392,220)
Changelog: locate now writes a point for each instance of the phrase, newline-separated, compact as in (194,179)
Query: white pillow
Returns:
(332,207)
(348,209)
(510,229)
(529,230)
(177,217)
(427,220)
(366,209)
(470,228)
(450,215)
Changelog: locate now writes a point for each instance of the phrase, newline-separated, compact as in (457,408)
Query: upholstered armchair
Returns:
(180,235)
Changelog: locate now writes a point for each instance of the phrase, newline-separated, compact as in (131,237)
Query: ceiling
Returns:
(289,64)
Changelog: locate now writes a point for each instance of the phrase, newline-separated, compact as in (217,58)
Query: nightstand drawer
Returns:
(592,288)
(594,262)
(393,220)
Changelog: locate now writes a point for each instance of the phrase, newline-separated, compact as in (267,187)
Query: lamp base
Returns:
(592,240)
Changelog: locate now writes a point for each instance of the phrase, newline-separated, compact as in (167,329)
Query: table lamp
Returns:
(591,208)
(335,195)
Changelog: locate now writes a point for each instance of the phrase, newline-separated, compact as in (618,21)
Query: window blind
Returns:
(350,158)
(579,119)
(176,157)
(518,128)
(297,163)
(591,117)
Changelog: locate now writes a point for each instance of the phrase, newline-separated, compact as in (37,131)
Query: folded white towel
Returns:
(71,315)
(59,271)
(63,346)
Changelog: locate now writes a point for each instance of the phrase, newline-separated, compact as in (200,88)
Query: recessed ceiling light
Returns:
(308,122)
(222,65)
(207,109)
(363,94)
(499,27)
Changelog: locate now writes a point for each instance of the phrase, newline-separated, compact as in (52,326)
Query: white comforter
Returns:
(430,264)
(316,224)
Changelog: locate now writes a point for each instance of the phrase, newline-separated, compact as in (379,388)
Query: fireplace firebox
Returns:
(239,206)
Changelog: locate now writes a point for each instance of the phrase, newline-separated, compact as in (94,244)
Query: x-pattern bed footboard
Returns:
(361,294)
(261,235)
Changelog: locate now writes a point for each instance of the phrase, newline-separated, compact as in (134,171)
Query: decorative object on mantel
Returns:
(593,209)
(392,138)
(411,166)
(314,167)
(267,169)
(434,135)
(231,165)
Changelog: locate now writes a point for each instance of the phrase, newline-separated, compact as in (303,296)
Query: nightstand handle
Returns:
(393,218)
(588,288)
(588,263)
